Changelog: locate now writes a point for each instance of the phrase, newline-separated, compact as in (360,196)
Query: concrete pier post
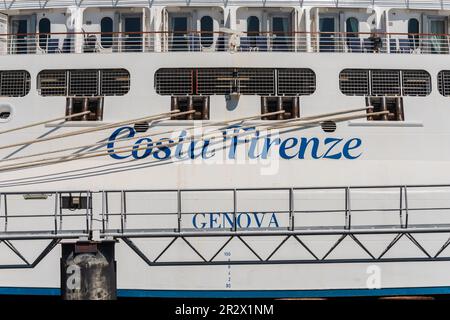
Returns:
(88,271)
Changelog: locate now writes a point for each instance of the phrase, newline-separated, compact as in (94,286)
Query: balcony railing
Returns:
(96,42)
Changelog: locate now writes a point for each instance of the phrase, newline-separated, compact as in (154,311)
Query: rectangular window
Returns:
(282,39)
(327,27)
(438,42)
(132,28)
(20,43)
(179,29)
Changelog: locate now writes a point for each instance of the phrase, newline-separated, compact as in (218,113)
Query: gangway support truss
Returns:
(256,258)
(263,222)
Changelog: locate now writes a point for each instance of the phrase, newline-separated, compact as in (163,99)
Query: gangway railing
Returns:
(43,215)
(194,41)
(408,223)
(287,214)
(38,216)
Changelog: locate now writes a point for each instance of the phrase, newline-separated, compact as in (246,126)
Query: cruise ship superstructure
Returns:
(227,148)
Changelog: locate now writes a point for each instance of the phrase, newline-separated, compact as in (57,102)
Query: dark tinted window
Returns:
(207,28)
(106,29)
(44,30)
(253,25)
(413,28)
(352,27)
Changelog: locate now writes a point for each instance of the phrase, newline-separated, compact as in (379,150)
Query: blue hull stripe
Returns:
(243,293)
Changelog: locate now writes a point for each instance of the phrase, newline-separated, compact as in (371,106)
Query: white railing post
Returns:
(308,29)
(348,210)
(291,210)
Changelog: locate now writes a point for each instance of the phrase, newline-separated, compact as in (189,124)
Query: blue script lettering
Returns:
(114,136)
(285,148)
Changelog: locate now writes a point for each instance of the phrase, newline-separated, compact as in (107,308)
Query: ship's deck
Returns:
(311,42)
(33,4)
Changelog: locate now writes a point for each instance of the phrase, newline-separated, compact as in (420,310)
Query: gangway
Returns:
(275,216)
(419,210)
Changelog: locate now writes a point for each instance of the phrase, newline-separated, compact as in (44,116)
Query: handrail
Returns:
(219,41)
(378,33)
(288,196)
(345,201)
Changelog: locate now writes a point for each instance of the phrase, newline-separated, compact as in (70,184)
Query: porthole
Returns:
(6,112)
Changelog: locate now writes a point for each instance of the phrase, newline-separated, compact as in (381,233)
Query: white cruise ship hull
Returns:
(383,158)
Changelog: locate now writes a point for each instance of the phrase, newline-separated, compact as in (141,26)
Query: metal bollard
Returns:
(88,271)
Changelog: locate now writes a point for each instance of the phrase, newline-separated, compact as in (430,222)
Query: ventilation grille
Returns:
(215,81)
(256,81)
(14,83)
(444,82)
(385,82)
(354,82)
(174,82)
(416,83)
(246,81)
(52,83)
(83,83)
(363,82)
(108,82)
(115,82)
(296,82)
(329,126)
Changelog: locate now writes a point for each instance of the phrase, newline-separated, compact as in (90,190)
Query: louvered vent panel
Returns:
(256,81)
(386,83)
(52,83)
(14,83)
(115,82)
(216,81)
(83,83)
(444,82)
(296,82)
(416,83)
(174,81)
(354,82)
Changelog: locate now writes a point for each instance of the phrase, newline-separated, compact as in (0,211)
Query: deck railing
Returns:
(96,42)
